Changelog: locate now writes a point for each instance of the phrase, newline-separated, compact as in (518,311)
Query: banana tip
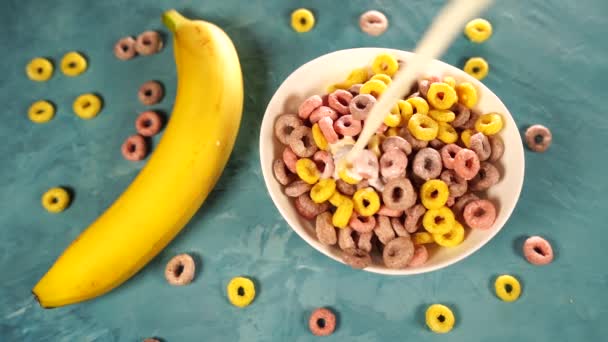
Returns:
(172,19)
(39,303)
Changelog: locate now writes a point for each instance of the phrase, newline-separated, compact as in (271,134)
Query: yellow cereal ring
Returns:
(442,115)
(477,67)
(241,291)
(358,75)
(507,288)
(439,318)
(465,136)
(319,138)
(323,190)
(489,124)
(41,111)
(406,110)
(343,213)
(302,20)
(447,133)
(452,238)
(87,106)
(391,132)
(467,94)
(420,106)
(422,238)
(386,79)
(366,201)
(73,64)
(39,69)
(438,221)
(337,199)
(423,127)
(307,170)
(434,194)
(373,87)
(478,30)
(385,63)
(441,96)
(374,144)
(449,80)
(55,200)
(393,119)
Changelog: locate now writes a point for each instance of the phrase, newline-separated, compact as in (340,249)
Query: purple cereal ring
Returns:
(285,125)
(302,143)
(415,143)
(362,185)
(356,258)
(322,322)
(481,145)
(345,238)
(393,164)
(180,270)
(339,101)
(151,92)
(473,116)
(326,125)
(398,227)
(436,144)
(309,209)
(413,218)
(480,214)
(326,232)
(448,153)
(466,164)
(497,146)
(347,126)
(458,207)
(325,163)
(125,48)
(421,255)
(538,251)
(148,43)
(450,202)
(134,148)
(281,172)
(309,105)
(366,165)
(398,252)
(322,112)
(427,164)
(290,159)
(373,23)
(148,123)
(538,138)
(487,176)
(354,90)
(365,241)
(345,188)
(462,115)
(384,230)
(396,142)
(399,194)
(362,224)
(385,211)
(423,87)
(457,186)
(297,188)
(360,106)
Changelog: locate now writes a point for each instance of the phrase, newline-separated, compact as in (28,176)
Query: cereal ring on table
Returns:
(322,322)
(134,148)
(323,190)
(302,20)
(356,258)
(462,115)
(241,291)
(384,229)
(421,255)
(366,201)
(297,188)
(467,94)
(427,164)
(478,30)
(393,164)
(461,203)
(480,214)
(326,125)
(489,124)
(397,143)
(434,194)
(477,67)
(441,96)
(309,105)
(148,43)
(446,134)
(307,170)
(452,238)
(374,88)
(148,123)
(326,232)
(538,138)
(307,208)
(442,115)
(423,127)
(440,319)
(325,163)
(366,165)
(39,69)
(385,63)
(362,224)
(419,105)
(302,142)
(497,146)
(466,164)
(151,340)
(281,172)
(73,64)
(285,125)
(415,143)
(487,177)
(422,238)
(124,49)
(151,92)
(87,106)
(319,138)
(180,270)
(364,241)
(507,288)
(55,200)
(538,251)
(322,112)
(449,80)
(386,79)
(398,252)
(448,153)
(41,111)
(374,144)
(361,105)
(398,227)
(343,213)
(347,126)
(457,186)
(385,211)
(339,101)
(345,188)
(345,238)
(399,194)
(480,144)
(373,23)
(438,221)
(354,89)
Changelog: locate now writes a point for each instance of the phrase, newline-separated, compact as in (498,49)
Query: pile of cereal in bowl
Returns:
(419,184)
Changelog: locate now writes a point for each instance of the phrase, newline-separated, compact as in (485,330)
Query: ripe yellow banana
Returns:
(176,180)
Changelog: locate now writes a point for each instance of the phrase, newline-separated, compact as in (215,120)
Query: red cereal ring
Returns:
(480,214)
(326,232)
(180,270)
(355,258)
(148,123)
(398,252)
(151,92)
(466,164)
(322,112)
(362,224)
(421,255)
(448,153)
(538,138)
(322,322)
(297,188)
(347,126)
(339,101)
(134,148)
(309,105)
(290,159)
(538,251)
(326,124)
(125,48)
(149,43)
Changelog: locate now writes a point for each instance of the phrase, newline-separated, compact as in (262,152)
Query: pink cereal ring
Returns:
(385,211)
(421,255)
(322,322)
(309,105)
(366,165)
(322,112)
(448,153)
(151,92)
(538,251)
(466,164)
(362,224)
(393,164)
(326,124)
(325,163)
(339,101)
(347,126)
(290,159)
(148,123)
(480,214)
(125,48)
(396,142)
(134,148)
(383,128)
(373,23)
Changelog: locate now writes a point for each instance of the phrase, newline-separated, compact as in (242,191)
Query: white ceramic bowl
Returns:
(314,77)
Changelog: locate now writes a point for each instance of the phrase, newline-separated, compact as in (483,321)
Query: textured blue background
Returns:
(548,64)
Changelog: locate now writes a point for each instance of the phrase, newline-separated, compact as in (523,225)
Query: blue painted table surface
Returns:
(548,64)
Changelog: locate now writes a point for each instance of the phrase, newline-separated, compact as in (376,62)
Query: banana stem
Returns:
(172,20)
